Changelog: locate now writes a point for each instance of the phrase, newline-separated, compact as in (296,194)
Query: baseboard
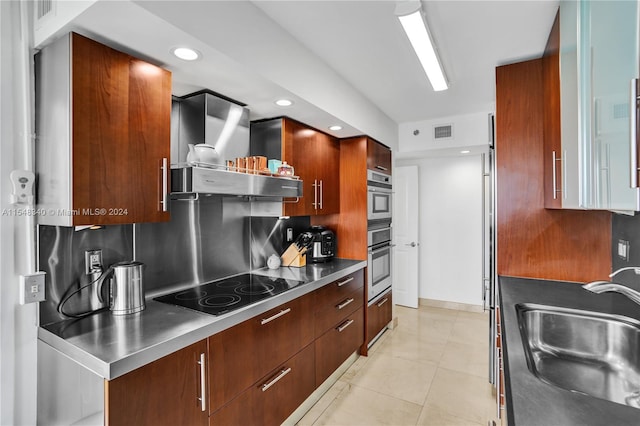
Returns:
(450,305)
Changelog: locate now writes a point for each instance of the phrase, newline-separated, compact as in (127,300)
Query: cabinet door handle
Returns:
(347,281)
(278,315)
(276,379)
(315,194)
(321,194)
(345,325)
(345,303)
(203,389)
(635,135)
(383,301)
(165,185)
(382,168)
(554,175)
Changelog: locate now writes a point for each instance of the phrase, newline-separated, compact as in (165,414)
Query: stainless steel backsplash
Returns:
(207,239)
(61,256)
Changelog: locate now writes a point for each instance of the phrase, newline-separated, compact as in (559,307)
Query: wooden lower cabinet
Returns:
(241,355)
(336,300)
(272,399)
(164,392)
(335,346)
(379,315)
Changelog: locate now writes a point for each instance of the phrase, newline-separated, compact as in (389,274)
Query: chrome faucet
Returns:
(607,286)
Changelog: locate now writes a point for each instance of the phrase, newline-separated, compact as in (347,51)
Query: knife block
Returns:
(293,257)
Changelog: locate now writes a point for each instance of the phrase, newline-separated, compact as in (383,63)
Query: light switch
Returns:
(32,288)
(623,250)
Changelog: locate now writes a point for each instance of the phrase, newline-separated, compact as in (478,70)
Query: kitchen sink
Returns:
(592,353)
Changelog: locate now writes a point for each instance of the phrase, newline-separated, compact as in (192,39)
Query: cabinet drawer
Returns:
(379,315)
(241,355)
(274,397)
(334,293)
(334,314)
(335,346)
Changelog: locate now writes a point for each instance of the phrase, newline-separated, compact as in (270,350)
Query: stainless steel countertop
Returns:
(532,402)
(111,346)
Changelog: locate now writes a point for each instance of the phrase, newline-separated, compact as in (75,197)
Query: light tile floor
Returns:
(432,369)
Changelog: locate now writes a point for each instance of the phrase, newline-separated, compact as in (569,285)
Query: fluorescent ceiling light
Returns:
(284,102)
(335,128)
(465,151)
(186,53)
(415,26)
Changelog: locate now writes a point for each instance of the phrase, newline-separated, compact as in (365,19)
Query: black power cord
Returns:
(66,297)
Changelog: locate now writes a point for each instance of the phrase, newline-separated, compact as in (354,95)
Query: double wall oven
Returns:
(379,234)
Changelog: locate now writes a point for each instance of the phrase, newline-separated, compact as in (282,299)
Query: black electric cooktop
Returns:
(222,296)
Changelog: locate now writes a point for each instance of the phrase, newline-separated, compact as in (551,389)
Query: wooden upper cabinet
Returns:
(378,157)
(165,392)
(103,158)
(315,157)
(551,130)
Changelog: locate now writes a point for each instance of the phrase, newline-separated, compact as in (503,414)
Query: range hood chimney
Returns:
(208,118)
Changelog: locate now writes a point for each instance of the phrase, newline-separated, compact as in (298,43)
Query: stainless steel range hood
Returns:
(204,180)
(205,117)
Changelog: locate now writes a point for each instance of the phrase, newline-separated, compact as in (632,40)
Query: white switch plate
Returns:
(623,250)
(32,288)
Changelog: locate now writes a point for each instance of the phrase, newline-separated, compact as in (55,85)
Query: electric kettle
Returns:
(126,288)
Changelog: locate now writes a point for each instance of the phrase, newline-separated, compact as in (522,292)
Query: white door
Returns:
(405,236)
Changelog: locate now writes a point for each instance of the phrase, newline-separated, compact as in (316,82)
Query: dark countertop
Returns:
(529,401)
(111,345)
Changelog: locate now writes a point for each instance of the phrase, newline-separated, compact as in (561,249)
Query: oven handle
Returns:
(381,248)
(380,189)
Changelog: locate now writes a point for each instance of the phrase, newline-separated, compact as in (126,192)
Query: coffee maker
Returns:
(324,245)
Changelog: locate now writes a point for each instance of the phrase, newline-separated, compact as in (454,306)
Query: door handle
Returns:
(634,113)
(411,244)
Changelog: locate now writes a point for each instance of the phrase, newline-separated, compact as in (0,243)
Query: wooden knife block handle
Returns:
(292,257)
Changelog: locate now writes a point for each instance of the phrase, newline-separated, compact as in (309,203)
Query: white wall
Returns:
(469,131)
(450,265)
(18,330)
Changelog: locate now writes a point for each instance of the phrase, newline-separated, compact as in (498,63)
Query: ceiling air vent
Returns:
(443,131)
(44,11)
(44,8)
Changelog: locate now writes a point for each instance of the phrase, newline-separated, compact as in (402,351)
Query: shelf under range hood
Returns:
(204,180)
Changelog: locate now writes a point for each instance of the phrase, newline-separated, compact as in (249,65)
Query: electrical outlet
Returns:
(623,250)
(92,261)
(289,235)
(32,288)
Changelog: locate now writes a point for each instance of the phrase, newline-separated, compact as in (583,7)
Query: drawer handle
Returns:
(276,379)
(348,280)
(383,301)
(276,316)
(382,168)
(345,325)
(345,303)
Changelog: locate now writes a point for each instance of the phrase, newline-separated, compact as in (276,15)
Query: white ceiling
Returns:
(364,42)
(345,62)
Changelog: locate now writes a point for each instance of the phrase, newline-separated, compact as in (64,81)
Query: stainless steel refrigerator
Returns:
(489,247)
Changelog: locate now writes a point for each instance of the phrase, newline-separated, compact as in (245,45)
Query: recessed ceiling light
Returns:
(335,128)
(186,53)
(284,102)
(465,151)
